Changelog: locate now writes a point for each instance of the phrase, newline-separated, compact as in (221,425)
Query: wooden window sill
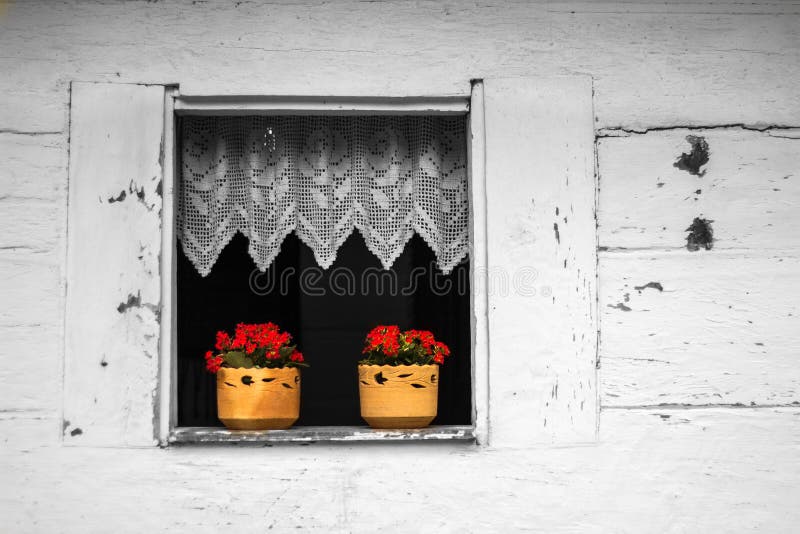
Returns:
(311,434)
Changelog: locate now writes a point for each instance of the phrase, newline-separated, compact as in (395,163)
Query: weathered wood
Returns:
(30,287)
(714,63)
(302,434)
(541,260)
(699,328)
(27,225)
(168,343)
(32,206)
(113,280)
(34,168)
(711,63)
(25,431)
(479,299)
(293,105)
(30,374)
(749,188)
(32,192)
(652,471)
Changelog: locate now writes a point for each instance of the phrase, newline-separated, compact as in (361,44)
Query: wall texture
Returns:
(697,117)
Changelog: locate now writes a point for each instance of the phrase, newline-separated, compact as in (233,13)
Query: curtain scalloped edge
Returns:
(267,262)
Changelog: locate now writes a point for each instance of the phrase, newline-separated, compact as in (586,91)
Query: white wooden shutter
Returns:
(540,194)
(113,280)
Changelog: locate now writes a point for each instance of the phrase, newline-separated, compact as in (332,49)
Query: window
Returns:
(531,176)
(221,280)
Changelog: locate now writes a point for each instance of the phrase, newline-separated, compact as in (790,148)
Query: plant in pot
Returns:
(258,377)
(398,378)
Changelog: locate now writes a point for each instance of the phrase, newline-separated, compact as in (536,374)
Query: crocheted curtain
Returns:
(321,177)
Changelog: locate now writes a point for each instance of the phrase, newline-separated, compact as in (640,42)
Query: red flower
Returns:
(250,338)
(213,364)
(223,341)
(423,337)
(383,339)
(440,347)
(385,344)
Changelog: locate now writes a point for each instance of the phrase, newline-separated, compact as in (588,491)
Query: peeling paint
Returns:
(620,306)
(653,285)
(701,234)
(558,236)
(135,301)
(696,158)
(118,198)
(308,435)
(138,192)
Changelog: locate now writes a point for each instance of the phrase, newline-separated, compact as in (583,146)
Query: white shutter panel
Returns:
(113,280)
(540,192)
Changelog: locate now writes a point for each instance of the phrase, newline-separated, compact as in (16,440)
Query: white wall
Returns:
(700,426)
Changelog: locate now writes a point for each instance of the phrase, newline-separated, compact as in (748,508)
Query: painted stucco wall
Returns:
(699,426)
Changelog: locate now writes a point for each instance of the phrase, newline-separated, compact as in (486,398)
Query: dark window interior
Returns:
(328,328)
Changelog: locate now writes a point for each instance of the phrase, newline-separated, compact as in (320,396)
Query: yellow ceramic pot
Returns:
(401,396)
(258,399)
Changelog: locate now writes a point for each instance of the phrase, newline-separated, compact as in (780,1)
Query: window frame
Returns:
(470,105)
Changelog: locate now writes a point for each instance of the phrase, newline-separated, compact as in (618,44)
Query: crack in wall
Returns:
(13,131)
(620,131)
(684,406)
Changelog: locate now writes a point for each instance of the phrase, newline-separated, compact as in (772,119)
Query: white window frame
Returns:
(471,105)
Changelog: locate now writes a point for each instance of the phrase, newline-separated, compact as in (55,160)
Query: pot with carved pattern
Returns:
(258,377)
(258,399)
(398,396)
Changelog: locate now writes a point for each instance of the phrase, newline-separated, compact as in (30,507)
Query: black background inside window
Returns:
(328,328)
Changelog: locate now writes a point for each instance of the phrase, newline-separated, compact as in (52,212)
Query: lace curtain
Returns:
(321,177)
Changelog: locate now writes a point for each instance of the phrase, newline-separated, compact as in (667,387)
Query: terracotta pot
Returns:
(258,399)
(401,396)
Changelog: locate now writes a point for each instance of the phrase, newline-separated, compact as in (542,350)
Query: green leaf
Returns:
(238,359)
(285,352)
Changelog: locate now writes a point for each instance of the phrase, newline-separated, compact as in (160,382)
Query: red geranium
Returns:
(254,345)
(387,345)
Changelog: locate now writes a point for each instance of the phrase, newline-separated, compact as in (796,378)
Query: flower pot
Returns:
(258,399)
(398,396)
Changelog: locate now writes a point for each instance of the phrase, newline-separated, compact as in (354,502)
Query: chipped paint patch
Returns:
(307,435)
(701,235)
(119,198)
(620,306)
(135,301)
(652,285)
(696,158)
